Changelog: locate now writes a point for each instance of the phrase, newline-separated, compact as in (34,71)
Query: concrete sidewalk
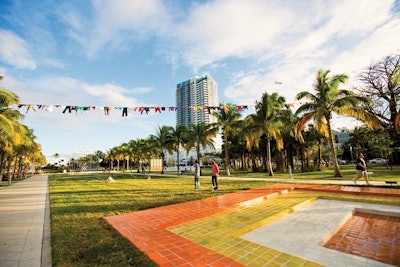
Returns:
(25,224)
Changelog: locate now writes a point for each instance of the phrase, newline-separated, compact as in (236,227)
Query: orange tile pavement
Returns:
(371,236)
(148,229)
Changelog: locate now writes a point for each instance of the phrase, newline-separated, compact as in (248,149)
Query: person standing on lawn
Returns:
(214,174)
(361,167)
(196,175)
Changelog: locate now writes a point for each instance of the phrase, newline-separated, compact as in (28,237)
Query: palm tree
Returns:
(7,116)
(229,119)
(161,140)
(11,147)
(267,121)
(125,153)
(177,137)
(9,136)
(151,149)
(141,152)
(201,136)
(111,155)
(133,152)
(252,137)
(330,99)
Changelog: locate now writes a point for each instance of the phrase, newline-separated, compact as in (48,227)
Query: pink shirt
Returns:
(215,170)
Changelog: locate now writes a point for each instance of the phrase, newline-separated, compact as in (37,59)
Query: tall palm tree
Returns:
(252,137)
(201,136)
(9,126)
(111,155)
(133,152)
(151,150)
(161,140)
(7,116)
(228,118)
(267,120)
(177,138)
(327,100)
(16,139)
(141,152)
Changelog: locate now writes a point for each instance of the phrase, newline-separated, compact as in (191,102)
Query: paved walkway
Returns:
(24,227)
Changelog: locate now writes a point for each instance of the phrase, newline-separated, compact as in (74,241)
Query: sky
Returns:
(133,53)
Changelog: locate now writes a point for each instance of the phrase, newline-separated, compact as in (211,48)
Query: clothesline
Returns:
(140,109)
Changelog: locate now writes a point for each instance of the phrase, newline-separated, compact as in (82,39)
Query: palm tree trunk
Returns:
(163,162)
(319,155)
(253,162)
(228,173)
(269,161)
(336,169)
(8,171)
(177,158)
(198,152)
(2,161)
(20,163)
(149,160)
(15,169)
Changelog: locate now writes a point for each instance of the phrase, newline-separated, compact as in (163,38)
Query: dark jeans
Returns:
(214,182)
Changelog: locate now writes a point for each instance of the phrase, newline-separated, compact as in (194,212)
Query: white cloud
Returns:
(333,40)
(357,16)
(371,49)
(110,94)
(220,29)
(68,91)
(15,51)
(116,23)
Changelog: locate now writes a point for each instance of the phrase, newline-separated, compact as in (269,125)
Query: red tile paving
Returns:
(147,229)
(371,236)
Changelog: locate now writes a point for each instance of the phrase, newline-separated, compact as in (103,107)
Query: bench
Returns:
(391,183)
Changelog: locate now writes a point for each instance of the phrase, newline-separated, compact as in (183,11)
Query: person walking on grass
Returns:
(214,174)
(361,167)
(196,175)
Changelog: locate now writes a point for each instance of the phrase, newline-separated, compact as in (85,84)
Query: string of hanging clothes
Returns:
(140,109)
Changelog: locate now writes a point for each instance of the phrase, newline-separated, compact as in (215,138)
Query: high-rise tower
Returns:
(192,99)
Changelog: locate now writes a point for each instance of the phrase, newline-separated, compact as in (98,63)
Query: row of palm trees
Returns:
(166,139)
(273,126)
(18,149)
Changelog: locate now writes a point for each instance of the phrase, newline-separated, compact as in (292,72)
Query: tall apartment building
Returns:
(194,94)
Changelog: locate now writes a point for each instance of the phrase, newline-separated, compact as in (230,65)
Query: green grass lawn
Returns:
(80,237)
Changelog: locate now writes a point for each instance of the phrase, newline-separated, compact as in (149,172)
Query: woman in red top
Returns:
(214,174)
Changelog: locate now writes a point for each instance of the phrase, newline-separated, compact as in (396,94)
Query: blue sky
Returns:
(134,52)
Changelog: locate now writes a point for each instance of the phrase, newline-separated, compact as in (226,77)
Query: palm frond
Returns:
(303,121)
